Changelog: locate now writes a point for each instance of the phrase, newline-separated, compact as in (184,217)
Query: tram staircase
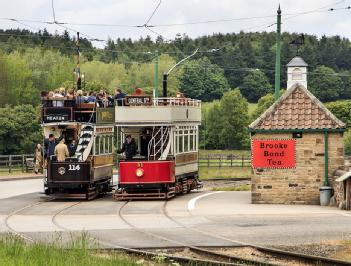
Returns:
(85,143)
(160,144)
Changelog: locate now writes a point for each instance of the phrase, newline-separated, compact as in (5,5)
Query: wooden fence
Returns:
(25,162)
(221,160)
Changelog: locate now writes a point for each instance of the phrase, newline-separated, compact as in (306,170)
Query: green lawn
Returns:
(233,188)
(13,251)
(224,152)
(224,172)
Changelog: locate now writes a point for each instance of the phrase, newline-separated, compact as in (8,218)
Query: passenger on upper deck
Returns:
(119,97)
(57,103)
(79,97)
(91,98)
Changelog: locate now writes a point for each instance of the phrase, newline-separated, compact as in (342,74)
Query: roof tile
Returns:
(297,109)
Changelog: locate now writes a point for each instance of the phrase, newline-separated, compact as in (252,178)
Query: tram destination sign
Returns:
(57,115)
(138,100)
(278,153)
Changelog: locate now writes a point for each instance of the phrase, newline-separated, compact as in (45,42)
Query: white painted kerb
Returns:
(192,202)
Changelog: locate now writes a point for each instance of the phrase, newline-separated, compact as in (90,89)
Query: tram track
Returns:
(200,255)
(15,212)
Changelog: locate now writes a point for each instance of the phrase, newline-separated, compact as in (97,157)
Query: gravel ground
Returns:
(337,249)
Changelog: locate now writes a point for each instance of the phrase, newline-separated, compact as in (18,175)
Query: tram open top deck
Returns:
(135,110)
(145,110)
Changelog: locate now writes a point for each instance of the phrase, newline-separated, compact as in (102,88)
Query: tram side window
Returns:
(191,140)
(97,145)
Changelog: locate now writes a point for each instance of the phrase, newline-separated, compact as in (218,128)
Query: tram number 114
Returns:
(73,167)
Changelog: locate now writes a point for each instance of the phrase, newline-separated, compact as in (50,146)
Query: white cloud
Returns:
(136,12)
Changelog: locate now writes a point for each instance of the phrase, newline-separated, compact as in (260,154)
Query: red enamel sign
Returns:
(273,153)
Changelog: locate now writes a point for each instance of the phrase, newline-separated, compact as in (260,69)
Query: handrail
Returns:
(175,101)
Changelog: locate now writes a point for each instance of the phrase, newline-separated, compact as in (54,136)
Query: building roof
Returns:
(297,61)
(297,109)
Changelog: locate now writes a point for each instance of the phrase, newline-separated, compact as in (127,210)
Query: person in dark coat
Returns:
(72,148)
(50,145)
(144,143)
(119,97)
(129,147)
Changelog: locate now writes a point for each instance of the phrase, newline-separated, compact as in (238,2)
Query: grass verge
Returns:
(233,188)
(224,172)
(13,251)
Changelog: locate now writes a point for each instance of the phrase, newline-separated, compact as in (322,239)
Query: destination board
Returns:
(57,114)
(138,100)
(278,153)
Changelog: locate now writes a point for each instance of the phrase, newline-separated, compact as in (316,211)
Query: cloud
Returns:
(136,12)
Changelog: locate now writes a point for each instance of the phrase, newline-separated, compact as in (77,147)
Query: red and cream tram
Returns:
(166,132)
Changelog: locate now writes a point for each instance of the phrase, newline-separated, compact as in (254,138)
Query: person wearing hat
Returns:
(129,147)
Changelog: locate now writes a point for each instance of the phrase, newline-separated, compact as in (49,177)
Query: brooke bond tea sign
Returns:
(278,153)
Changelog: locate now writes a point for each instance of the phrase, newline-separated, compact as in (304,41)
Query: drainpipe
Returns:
(326,158)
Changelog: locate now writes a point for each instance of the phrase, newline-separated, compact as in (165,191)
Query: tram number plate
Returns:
(73,167)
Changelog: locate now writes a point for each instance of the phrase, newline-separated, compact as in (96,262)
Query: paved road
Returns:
(199,218)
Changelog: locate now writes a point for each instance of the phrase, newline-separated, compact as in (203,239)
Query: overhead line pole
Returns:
(277,56)
(156,76)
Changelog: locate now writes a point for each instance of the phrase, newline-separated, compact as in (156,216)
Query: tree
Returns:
(255,85)
(324,84)
(212,125)
(203,80)
(263,104)
(227,121)
(20,129)
(341,109)
(235,119)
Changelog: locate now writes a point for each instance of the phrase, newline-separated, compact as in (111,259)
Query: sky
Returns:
(130,13)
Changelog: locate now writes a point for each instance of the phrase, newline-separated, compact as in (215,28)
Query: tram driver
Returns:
(129,148)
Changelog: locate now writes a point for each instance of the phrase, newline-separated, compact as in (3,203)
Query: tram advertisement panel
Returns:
(105,115)
(278,153)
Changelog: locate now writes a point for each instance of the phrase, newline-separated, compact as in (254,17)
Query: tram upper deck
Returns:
(145,110)
(135,110)
(63,110)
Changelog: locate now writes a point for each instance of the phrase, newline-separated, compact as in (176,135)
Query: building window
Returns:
(297,74)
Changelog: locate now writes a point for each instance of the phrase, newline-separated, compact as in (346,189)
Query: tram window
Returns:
(180,144)
(110,144)
(97,140)
(101,146)
(186,140)
(191,142)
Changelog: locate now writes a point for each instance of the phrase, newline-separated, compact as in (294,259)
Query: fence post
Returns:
(231,160)
(22,163)
(10,163)
(242,160)
(220,160)
(208,160)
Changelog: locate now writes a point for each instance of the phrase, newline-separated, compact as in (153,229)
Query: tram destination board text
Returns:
(273,153)
(138,100)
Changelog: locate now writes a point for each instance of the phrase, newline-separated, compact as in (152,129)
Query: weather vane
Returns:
(300,40)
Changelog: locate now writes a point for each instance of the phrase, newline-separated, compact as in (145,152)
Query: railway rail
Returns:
(195,254)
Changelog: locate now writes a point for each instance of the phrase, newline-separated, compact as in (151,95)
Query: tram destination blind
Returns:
(279,153)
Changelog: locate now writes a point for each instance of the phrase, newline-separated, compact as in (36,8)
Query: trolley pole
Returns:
(78,78)
(156,76)
(277,56)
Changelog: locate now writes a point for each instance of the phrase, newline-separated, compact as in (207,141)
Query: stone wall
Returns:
(301,184)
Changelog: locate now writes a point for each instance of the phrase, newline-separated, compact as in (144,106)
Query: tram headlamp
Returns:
(139,172)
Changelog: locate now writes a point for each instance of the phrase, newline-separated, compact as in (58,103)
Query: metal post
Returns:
(277,56)
(156,76)
(10,163)
(326,159)
(165,76)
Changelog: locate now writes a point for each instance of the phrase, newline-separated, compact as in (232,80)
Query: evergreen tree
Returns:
(255,85)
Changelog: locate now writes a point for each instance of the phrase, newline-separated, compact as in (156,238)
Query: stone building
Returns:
(316,139)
